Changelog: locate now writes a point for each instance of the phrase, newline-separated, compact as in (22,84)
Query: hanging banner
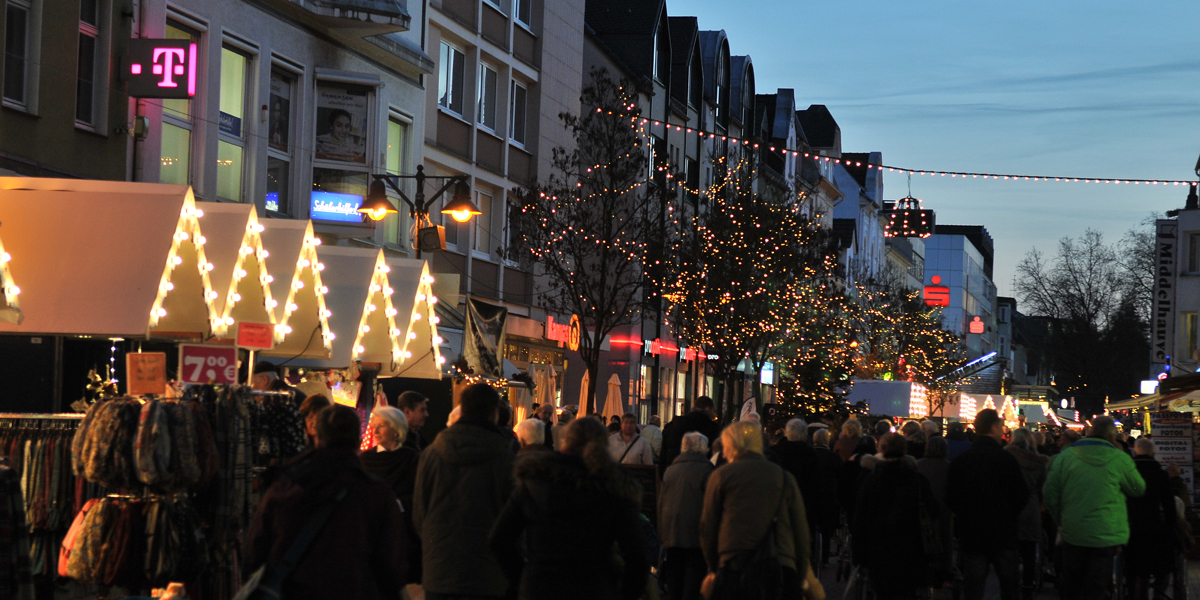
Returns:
(483,337)
(1173,443)
(1162,319)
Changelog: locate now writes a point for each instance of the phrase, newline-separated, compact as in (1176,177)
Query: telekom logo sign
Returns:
(162,68)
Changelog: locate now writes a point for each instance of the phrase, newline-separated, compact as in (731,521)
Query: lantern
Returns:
(908,219)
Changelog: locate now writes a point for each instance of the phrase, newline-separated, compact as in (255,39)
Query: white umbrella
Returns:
(583,393)
(614,404)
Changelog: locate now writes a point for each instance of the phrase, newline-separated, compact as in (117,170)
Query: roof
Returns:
(741,69)
(820,128)
(627,29)
(845,231)
(858,172)
(712,42)
(106,258)
(685,42)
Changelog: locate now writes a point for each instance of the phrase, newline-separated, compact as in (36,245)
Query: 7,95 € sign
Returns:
(207,364)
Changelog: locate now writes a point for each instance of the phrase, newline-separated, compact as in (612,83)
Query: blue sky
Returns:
(1080,89)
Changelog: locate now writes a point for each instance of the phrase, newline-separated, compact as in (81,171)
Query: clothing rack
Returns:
(42,416)
(272,394)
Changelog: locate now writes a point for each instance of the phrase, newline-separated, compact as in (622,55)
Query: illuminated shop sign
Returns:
(162,68)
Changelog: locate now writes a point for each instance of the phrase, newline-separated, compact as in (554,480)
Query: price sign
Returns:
(145,373)
(207,364)
(259,336)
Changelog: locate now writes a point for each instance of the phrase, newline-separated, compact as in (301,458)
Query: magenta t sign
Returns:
(162,68)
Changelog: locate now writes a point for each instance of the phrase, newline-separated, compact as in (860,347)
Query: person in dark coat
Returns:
(545,414)
(680,504)
(358,552)
(798,458)
(828,509)
(396,464)
(416,411)
(572,509)
(887,527)
(847,443)
(1029,534)
(701,418)
(987,492)
(464,480)
(956,438)
(916,439)
(1152,541)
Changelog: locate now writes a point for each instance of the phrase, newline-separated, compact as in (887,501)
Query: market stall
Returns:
(115,260)
(294,279)
(233,244)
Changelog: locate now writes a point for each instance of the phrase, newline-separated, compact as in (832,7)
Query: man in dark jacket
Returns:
(956,440)
(680,505)
(416,411)
(798,458)
(702,419)
(463,481)
(1152,542)
(986,491)
(358,552)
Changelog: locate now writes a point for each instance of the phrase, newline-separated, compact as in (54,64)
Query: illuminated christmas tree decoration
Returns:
(301,316)
(234,246)
(420,352)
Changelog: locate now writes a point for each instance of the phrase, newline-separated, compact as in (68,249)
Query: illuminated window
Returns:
(395,226)
(231,124)
(177,125)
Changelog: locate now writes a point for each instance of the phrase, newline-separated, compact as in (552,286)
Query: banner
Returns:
(341,124)
(1162,318)
(1172,435)
(484,337)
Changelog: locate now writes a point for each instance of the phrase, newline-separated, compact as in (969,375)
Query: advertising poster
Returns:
(341,125)
(279,112)
(1173,436)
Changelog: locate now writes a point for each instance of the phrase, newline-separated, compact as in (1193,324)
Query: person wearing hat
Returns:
(267,379)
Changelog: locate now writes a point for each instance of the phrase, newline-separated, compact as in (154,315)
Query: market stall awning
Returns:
(106,258)
(355,293)
(234,247)
(415,304)
(301,317)
(10,302)
(1147,401)
(1185,402)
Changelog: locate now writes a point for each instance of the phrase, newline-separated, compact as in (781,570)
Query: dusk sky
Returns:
(1081,89)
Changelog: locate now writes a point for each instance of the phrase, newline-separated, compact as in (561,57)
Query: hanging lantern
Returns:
(908,219)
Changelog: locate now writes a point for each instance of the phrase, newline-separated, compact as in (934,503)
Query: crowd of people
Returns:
(547,507)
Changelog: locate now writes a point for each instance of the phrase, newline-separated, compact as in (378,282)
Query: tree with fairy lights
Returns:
(754,276)
(587,225)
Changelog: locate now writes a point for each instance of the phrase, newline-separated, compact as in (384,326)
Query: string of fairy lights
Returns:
(749,143)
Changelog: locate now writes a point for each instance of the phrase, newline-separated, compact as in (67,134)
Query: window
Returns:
(1193,265)
(1189,324)
(695,82)
(521,12)
(662,55)
(85,85)
(487,98)
(231,143)
(279,148)
(177,125)
(483,224)
(512,234)
(450,79)
(1003,314)
(16,51)
(517,107)
(394,226)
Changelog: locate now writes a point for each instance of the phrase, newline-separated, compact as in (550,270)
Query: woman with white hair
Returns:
(735,528)
(680,504)
(396,465)
(531,433)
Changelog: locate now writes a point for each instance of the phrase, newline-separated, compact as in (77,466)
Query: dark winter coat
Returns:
(463,481)
(398,469)
(987,492)
(887,527)
(1152,542)
(828,510)
(674,431)
(571,521)
(738,505)
(357,554)
(1033,467)
(681,500)
(936,471)
(799,459)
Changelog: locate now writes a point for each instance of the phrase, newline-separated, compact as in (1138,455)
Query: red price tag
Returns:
(260,336)
(207,364)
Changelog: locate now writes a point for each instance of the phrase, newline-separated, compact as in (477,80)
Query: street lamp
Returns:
(376,205)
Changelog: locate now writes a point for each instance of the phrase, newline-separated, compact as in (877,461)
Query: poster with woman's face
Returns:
(279,112)
(341,125)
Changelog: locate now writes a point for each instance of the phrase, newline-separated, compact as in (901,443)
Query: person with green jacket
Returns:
(1085,493)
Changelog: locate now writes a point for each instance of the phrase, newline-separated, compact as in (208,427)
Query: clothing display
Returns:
(16,582)
(135,543)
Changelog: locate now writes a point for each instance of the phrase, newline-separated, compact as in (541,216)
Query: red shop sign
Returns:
(207,364)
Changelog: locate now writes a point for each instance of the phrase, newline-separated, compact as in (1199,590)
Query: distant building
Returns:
(960,257)
(863,203)
(1175,312)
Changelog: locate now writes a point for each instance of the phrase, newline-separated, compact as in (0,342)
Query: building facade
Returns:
(960,257)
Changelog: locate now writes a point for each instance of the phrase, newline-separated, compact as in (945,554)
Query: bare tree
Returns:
(588,223)
(1135,257)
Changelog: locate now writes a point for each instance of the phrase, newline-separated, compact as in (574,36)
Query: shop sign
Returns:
(162,68)
(145,373)
(207,364)
(656,347)
(689,354)
(574,334)
(558,332)
(1163,309)
(259,336)
(937,295)
(332,206)
(1173,441)
(976,326)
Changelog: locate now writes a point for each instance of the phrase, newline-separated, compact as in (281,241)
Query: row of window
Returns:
(452,85)
(521,10)
(22,35)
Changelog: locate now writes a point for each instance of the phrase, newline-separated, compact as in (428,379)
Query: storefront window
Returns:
(396,226)
(279,151)
(229,171)
(176,150)
(278,172)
